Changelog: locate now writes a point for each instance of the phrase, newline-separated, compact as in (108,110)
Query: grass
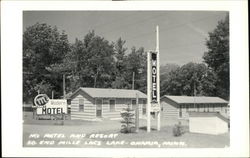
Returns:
(163,138)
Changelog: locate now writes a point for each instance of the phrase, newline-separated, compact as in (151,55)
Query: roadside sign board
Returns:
(46,106)
(40,100)
(155,106)
(53,107)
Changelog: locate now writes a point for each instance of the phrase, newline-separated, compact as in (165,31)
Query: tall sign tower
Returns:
(153,84)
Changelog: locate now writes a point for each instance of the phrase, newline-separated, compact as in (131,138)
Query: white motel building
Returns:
(101,103)
(94,103)
(178,107)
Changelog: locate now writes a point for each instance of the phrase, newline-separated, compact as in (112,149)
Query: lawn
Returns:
(106,134)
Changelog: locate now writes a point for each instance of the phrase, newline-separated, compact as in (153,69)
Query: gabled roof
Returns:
(110,93)
(196,99)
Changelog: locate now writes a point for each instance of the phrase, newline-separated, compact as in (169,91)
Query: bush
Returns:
(178,130)
(128,122)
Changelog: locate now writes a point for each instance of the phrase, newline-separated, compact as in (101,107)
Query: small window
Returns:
(133,104)
(198,107)
(112,105)
(204,108)
(69,101)
(81,105)
(183,106)
(187,108)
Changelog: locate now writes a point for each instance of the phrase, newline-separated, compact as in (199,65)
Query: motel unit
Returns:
(177,107)
(101,103)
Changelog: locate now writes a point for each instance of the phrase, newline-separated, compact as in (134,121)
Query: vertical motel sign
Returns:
(153,88)
(155,106)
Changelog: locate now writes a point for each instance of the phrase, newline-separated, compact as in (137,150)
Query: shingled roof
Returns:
(197,99)
(110,93)
(208,114)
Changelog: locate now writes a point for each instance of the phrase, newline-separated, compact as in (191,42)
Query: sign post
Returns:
(137,114)
(158,79)
(148,92)
(153,84)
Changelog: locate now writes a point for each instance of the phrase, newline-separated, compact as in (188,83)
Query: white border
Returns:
(11,68)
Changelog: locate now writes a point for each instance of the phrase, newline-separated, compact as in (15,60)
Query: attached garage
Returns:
(207,123)
(178,107)
(98,103)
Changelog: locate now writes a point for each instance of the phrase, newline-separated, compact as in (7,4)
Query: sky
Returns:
(182,34)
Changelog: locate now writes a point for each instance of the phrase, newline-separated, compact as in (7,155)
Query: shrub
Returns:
(128,124)
(178,130)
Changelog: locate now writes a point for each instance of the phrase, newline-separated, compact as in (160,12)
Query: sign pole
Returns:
(158,78)
(148,91)
(137,114)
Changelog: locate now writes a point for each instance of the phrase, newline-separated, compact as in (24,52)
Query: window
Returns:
(111,105)
(81,105)
(187,107)
(144,107)
(69,101)
(133,104)
(208,106)
(183,106)
(198,107)
(204,108)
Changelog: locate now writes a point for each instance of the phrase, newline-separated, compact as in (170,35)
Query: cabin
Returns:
(208,123)
(178,107)
(101,103)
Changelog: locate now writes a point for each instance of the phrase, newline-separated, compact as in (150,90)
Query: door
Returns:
(99,108)
(180,112)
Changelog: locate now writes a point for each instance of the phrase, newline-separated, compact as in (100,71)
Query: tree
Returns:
(189,79)
(120,60)
(128,122)
(136,63)
(100,60)
(217,56)
(90,63)
(43,46)
(165,72)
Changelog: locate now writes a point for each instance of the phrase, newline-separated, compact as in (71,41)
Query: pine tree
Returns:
(128,122)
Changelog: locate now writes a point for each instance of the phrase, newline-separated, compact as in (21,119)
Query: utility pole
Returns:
(52,95)
(195,91)
(64,92)
(195,95)
(133,81)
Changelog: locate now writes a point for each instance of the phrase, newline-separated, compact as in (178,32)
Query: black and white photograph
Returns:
(140,79)
(85,79)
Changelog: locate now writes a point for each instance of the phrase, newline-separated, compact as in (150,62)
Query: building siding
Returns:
(89,112)
(120,104)
(171,109)
(89,107)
